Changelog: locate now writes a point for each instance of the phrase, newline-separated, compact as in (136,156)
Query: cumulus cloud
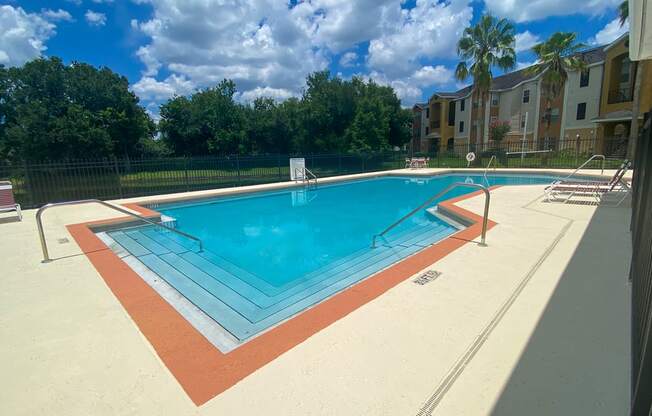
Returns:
(348,59)
(409,88)
(95,18)
(612,31)
(525,41)
(269,46)
(429,30)
(22,35)
(56,15)
(527,10)
(149,88)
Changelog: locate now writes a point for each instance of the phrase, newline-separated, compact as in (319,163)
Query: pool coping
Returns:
(201,369)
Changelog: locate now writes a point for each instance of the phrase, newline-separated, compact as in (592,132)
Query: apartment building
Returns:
(420,115)
(596,104)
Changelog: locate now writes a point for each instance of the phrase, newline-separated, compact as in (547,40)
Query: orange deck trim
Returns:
(200,368)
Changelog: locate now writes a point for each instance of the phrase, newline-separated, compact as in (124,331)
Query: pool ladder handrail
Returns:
(438,195)
(41,233)
(493,159)
(306,174)
(589,160)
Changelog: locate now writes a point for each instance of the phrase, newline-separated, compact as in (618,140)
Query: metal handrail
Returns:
(493,159)
(39,223)
(438,195)
(586,163)
(305,177)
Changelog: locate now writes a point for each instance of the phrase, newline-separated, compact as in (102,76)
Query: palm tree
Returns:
(488,44)
(555,58)
(623,15)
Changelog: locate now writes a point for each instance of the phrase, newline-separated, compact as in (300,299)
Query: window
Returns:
(554,115)
(584,78)
(451,113)
(625,69)
(495,99)
(427,130)
(581,111)
(523,121)
(428,112)
(526,96)
(462,103)
(461,127)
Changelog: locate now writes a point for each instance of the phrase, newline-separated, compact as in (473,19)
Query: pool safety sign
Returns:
(297,166)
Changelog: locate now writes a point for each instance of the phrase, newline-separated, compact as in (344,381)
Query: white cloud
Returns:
(612,31)
(56,15)
(149,88)
(22,35)
(429,75)
(102,1)
(95,18)
(409,89)
(348,59)
(268,46)
(527,10)
(75,2)
(525,41)
(521,65)
(429,30)
(278,94)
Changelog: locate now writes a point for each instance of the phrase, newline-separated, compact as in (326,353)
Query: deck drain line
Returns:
(448,381)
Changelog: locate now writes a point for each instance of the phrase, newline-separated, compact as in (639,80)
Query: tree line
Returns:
(53,111)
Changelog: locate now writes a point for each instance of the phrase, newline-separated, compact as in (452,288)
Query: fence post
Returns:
(185,173)
(237,164)
(117,175)
(28,185)
(278,163)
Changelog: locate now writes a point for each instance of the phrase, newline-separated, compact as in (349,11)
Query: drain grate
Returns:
(63,240)
(427,277)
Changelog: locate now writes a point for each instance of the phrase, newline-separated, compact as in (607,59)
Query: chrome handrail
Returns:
(438,195)
(493,159)
(586,163)
(39,222)
(305,177)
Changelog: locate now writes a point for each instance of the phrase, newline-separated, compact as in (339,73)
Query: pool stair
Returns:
(245,304)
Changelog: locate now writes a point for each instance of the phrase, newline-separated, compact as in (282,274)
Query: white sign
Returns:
(297,166)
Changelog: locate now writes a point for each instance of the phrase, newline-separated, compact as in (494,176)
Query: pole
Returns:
(524,139)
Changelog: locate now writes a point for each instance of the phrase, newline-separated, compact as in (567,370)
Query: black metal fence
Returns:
(641,276)
(39,183)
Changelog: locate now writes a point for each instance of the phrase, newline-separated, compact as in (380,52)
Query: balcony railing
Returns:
(620,95)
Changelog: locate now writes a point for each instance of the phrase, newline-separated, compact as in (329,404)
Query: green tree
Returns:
(556,57)
(52,111)
(209,121)
(488,44)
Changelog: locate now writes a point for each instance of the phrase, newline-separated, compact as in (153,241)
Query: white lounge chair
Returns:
(564,190)
(7,202)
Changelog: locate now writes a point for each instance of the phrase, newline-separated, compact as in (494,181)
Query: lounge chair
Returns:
(564,190)
(7,202)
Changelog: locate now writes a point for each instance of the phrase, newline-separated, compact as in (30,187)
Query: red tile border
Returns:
(202,370)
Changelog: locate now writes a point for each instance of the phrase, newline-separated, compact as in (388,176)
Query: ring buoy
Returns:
(470,157)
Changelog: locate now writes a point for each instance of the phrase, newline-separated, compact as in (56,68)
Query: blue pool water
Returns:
(270,255)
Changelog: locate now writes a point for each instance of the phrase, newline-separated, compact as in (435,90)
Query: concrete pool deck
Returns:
(536,323)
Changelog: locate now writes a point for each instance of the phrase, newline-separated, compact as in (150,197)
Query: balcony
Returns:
(620,95)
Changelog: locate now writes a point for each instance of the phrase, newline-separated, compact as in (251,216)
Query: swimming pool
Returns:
(268,256)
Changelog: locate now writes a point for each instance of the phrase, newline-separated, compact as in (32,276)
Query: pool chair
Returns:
(565,190)
(7,202)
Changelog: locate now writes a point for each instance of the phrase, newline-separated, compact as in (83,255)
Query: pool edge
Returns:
(199,367)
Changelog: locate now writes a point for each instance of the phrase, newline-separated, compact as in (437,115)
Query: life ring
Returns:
(470,157)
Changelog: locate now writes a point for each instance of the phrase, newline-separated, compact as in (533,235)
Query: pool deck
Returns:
(536,323)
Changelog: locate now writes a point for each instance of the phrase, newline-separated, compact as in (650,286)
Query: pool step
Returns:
(243,303)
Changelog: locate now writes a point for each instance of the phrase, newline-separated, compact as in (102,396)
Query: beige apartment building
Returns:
(595,107)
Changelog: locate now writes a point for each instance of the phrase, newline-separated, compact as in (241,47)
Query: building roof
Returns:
(420,105)
(512,79)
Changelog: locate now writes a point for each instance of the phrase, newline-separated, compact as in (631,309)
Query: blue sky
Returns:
(167,47)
